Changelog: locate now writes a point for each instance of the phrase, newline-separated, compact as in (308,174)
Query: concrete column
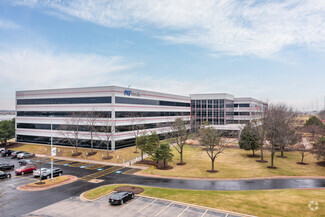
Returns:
(113,125)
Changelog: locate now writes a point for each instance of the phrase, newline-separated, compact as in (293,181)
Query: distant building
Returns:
(224,111)
(126,108)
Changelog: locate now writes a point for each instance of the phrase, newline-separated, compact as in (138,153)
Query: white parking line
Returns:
(204,213)
(163,209)
(130,203)
(183,211)
(227,215)
(146,205)
(20,182)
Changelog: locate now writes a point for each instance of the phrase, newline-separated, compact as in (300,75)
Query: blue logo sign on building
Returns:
(131,93)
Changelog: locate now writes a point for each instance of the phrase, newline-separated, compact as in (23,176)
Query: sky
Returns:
(269,50)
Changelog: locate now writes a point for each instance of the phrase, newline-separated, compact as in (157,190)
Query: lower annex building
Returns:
(126,112)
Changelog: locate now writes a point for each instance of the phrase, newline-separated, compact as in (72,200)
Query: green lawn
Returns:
(126,153)
(261,203)
(234,163)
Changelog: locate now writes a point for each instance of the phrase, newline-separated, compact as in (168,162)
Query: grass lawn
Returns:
(261,203)
(48,182)
(126,154)
(234,163)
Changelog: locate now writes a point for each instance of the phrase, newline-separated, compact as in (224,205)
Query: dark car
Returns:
(7,152)
(121,197)
(25,155)
(4,166)
(25,162)
(25,169)
(16,153)
(56,172)
(4,175)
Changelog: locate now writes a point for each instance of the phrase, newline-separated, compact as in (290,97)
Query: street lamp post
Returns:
(51,149)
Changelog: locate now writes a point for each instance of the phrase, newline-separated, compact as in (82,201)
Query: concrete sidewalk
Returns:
(92,161)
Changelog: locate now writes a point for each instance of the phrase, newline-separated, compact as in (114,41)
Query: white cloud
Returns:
(232,27)
(7,24)
(35,69)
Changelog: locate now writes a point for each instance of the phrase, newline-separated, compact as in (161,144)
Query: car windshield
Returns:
(1,173)
(22,168)
(117,195)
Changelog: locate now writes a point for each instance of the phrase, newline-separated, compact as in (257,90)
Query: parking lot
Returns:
(139,206)
(84,171)
(22,202)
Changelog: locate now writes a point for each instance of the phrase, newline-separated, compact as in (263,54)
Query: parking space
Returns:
(139,206)
(78,164)
(131,171)
(101,173)
(64,162)
(94,167)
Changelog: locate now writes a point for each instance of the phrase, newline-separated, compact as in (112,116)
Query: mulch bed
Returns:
(135,190)
(282,156)
(261,161)
(253,156)
(77,154)
(91,153)
(321,163)
(107,158)
(302,163)
(212,171)
(181,164)
(159,166)
(272,167)
(40,183)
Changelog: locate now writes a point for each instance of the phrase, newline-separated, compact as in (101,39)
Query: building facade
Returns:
(86,113)
(126,111)
(224,111)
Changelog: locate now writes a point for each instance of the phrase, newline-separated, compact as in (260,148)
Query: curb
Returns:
(40,188)
(228,179)
(91,200)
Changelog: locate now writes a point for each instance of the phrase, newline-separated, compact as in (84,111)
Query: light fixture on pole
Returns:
(51,148)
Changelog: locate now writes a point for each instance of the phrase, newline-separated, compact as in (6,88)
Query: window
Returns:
(105,114)
(246,105)
(149,114)
(210,103)
(198,104)
(215,103)
(127,100)
(80,100)
(204,104)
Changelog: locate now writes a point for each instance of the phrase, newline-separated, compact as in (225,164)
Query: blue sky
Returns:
(269,50)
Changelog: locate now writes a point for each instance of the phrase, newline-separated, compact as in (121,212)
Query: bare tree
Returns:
(179,135)
(39,164)
(212,143)
(92,122)
(137,126)
(301,148)
(70,132)
(260,127)
(280,122)
(107,131)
